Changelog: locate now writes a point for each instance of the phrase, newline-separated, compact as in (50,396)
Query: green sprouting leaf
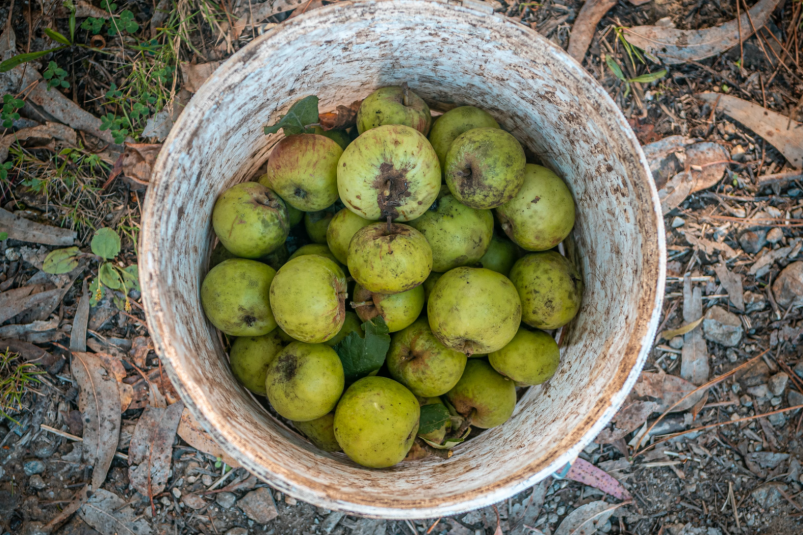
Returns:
(649,77)
(95,292)
(3,236)
(433,417)
(93,25)
(19,59)
(108,6)
(56,36)
(106,244)
(120,303)
(362,355)
(615,68)
(55,76)
(109,276)
(61,261)
(72,23)
(131,278)
(119,135)
(127,21)
(301,114)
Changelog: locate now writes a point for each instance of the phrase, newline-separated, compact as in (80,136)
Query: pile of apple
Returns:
(407,322)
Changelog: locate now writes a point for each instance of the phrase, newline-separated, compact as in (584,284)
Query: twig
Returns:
(75,438)
(221,480)
(433,526)
(741,43)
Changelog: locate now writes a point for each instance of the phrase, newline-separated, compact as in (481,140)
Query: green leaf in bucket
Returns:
(361,356)
(301,115)
(433,417)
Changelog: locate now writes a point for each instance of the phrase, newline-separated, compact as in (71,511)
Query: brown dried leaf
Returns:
(151,447)
(344,117)
(671,333)
(99,402)
(194,76)
(710,247)
(694,365)
(586,473)
(140,347)
(732,282)
(193,434)
(43,132)
(585,519)
(78,334)
(666,390)
(13,304)
(675,46)
(30,352)
(768,124)
(110,515)
(633,415)
(585,26)
(19,228)
(138,160)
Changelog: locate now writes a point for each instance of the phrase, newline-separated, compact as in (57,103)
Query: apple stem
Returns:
(406,94)
(361,304)
(443,454)
(466,423)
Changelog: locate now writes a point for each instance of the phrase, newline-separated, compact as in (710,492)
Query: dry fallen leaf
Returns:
(732,282)
(193,434)
(47,131)
(29,352)
(194,76)
(586,473)
(78,334)
(111,515)
(770,125)
(149,452)
(344,117)
(13,303)
(19,228)
(666,390)
(585,26)
(671,333)
(586,519)
(675,46)
(135,163)
(140,347)
(694,364)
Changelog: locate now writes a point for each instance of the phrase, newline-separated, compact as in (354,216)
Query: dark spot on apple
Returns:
(535,201)
(300,193)
(249,320)
(287,367)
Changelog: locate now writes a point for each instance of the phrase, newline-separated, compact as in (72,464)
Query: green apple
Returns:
(390,171)
(398,310)
(250,356)
(276,259)
(389,260)
(474,310)
(458,235)
(531,358)
(308,297)
(317,224)
(342,228)
(314,249)
(429,284)
(541,214)
(393,105)
(421,363)
(250,220)
(483,396)
(295,215)
(500,256)
(234,296)
(376,422)
(485,168)
(341,137)
(321,432)
(550,288)
(305,381)
(302,169)
(352,324)
(455,122)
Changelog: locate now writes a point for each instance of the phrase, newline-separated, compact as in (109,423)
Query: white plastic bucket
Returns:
(449,54)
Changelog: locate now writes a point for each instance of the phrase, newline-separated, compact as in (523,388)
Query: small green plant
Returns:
(4,169)
(93,25)
(117,125)
(3,236)
(10,107)
(55,76)
(15,379)
(642,79)
(105,247)
(125,22)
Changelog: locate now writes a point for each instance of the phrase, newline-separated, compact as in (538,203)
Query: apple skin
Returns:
(250,356)
(376,422)
(385,106)
(342,228)
(234,296)
(500,256)
(458,235)
(317,224)
(550,288)
(389,171)
(541,214)
(421,363)
(484,395)
(531,358)
(485,168)
(398,310)
(250,220)
(455,122)
(389,262)
(315,248)
(308,297)
(302,169)
(321,432)
(474,310)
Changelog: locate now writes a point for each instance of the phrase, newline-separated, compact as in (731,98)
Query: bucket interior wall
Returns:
(448,55)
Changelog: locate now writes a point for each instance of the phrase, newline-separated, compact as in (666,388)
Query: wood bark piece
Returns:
(78,334)
(585,26)
(151,448)
(694,365)
(675,46)
(19,228)
(770,125)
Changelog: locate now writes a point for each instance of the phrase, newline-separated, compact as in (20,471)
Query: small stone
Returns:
(798,369)
(760,391)
(678,222)
(552,518)
(12,254)
(746,401)
(794,398)
(237,531)
(794,192)
(37,482)
(176,493)
(207,480)
(736,387)
(775,235)
(777,383)
(732,355)
(226,499)
(290,501)
(753,240)
(773,212)
(561,511)
(777,420)
(193,501)
(34,528)
(722,327)
(738,153)
(33,467)
(788,287)
(776,401)
(754,301)
(768,495)
(192,479)
(331,522)
(165,501)
(676,342)
(258,506)
(2,472)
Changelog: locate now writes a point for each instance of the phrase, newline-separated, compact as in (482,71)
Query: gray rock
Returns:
(775,235)
(777,420)
(331,522)
(678,222)
(776,401)
(237,531)
(798,369)
(33,467)
(755,301)
(676,342)
(794,398)
(767,459)
(768,495)
(788,287)
(2,472)
(369,526)
(259,506)
(37,482)
(760,391)
(753,240)
(226,499)
(34,528)
(722,327)
(777,383)
(746,401)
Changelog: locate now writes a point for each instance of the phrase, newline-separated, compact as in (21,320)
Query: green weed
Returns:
(15,379)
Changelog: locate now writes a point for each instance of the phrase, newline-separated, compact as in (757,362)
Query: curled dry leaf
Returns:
(140,347)
(675,46)
(135,163)
(12,303)
(768,124)
(151,448)
(665,390)
(193,434)
(587,518)
(19,228)
(585,26)
(344,117)
(37,332)
(671,333)
(586,473)
(709,247)
(694,364)
(194,76)
(44,132)
(31,353)
(693,167)
(732,282)
(110,515)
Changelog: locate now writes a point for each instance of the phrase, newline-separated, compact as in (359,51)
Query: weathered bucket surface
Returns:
(448,54)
